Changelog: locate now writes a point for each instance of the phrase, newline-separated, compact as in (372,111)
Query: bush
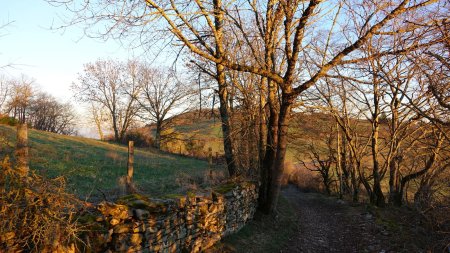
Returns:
(36,214)
(195,147)
(139,139)
(6,147)
(304,179)
(6,120)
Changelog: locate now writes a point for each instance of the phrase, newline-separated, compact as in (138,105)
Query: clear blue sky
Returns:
(53,58)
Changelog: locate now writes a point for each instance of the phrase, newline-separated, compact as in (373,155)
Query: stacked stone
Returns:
(186,224)
(240,206)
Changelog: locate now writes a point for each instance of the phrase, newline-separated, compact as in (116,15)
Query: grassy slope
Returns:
(207,129)
(304,129)
(90,164)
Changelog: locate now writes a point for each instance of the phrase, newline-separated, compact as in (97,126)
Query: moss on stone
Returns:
(86,218)
(90,223)
(125,199)
(174,196)
(222,189)
(191,194)
(138,201)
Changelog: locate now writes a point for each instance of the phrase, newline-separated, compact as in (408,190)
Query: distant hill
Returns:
(192,133)
(206,128)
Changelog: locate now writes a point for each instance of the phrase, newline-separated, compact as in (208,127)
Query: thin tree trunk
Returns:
(200,96)
(338,162)
(263,137)
(99,129)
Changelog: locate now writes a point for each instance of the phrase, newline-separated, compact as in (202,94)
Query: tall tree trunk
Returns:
(271,148)
(116,130)
(345,167)
(339,161)
(225,119)
(262,125)
(395,196)
(394,186)
(223,94)
(98,124)
(278,167)
(263,137)
(377,197)
(158,134)
(353,178)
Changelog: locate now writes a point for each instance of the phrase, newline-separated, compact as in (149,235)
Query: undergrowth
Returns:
(36,213)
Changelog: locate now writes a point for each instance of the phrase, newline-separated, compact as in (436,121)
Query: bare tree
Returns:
(246,116)
(338,98)
(114,86)
(322,162)
(47,114)
(20,97)
(379,88)
(4,92)
(434,65)
(99,116)
(162,95)
(432,190)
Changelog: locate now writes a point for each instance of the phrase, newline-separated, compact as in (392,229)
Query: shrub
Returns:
(6,120)
(303,178)
(139,139)
(36,214)
(6,147)
(195,147)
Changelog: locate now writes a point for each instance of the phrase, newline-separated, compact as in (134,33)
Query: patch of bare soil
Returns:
(327,224)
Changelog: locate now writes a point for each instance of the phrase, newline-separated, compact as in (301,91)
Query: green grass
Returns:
(205,127)
(304,129)
(208,130)
(89,164)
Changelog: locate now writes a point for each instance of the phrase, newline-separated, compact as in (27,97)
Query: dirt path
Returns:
(331,225)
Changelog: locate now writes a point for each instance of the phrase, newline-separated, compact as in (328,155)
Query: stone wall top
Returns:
(178,223)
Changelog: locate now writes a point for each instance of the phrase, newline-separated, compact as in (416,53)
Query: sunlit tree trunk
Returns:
(223,94)
(278,167)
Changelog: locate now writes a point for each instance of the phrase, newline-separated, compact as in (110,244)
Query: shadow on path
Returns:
(327,224)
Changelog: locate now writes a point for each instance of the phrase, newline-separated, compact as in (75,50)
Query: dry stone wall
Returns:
(189,223)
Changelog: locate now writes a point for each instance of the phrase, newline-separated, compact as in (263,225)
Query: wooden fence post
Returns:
(22,149)
(130,168)
(210,158)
